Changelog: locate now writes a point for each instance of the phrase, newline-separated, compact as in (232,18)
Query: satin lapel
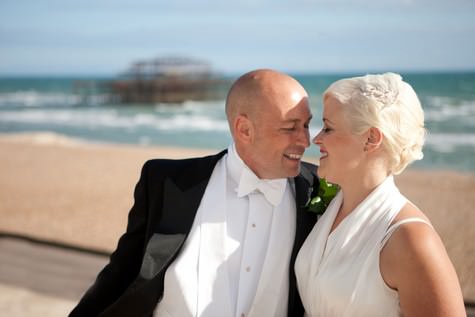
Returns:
(162,249)
(179,206)
(175,223)
(182,195)
(304,224)
(305,220)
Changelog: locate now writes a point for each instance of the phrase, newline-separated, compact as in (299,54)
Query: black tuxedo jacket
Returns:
(167,197)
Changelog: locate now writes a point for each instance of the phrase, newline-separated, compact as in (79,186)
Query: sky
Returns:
(103,37)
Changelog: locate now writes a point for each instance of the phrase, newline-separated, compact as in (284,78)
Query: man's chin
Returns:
(294,172)
(293,168)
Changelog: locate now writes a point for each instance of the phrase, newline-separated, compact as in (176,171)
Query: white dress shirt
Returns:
(249,222)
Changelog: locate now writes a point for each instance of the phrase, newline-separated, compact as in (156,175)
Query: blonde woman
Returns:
(373,252)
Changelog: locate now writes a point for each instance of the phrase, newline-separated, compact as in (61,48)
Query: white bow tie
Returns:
(272,189)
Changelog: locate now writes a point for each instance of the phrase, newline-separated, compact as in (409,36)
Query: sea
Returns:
(79,107)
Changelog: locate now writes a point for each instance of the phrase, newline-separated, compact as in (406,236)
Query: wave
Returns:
(451,138)
(450,143)
(112,118)
(439,109)
(32,98)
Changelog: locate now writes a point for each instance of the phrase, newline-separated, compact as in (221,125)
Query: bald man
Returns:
(217,236)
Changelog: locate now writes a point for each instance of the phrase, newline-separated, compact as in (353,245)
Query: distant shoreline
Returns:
(236,74)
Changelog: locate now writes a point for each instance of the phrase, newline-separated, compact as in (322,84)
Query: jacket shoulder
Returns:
(183,171)
(180,163)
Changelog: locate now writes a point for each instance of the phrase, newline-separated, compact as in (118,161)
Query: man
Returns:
(218,236)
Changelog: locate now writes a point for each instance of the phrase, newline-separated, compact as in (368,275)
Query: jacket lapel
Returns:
(304,224)
(182,195)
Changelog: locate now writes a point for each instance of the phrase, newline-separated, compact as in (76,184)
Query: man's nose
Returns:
(304,138)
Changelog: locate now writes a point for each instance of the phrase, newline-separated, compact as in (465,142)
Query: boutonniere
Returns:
(321,196)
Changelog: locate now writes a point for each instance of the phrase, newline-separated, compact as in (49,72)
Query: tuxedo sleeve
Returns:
(125,261)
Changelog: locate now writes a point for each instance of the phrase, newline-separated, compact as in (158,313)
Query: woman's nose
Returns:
(317,139)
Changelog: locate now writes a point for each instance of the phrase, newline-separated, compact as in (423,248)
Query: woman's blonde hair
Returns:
(386,102)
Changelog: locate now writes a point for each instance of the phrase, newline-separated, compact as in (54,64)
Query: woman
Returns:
(373,252)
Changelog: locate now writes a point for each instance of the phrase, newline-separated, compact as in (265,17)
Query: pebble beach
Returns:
(71,192)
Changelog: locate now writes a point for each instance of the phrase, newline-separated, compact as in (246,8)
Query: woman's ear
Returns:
(375,138)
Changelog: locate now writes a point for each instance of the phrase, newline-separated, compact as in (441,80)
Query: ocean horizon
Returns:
(56,104)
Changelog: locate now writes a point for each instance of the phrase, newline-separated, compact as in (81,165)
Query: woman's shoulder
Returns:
(409,211)
(411,234)
(414,261)
(413,248)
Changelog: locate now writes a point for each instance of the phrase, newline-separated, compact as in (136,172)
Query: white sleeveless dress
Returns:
(338,273)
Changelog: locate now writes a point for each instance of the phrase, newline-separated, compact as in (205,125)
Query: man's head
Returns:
(268,114)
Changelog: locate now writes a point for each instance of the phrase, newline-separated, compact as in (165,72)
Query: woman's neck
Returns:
(357,189)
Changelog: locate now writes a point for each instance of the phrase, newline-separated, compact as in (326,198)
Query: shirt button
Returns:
(253,225)
(243,315)
(248,269)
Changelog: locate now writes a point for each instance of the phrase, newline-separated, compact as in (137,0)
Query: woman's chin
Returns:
(320,173)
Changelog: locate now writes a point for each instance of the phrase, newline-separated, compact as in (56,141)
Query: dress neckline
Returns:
(363,210)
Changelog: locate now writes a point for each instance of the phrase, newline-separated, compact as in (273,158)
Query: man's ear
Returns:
(375,138)
(243,129)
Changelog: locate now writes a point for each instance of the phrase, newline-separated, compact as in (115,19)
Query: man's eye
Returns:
(325,130)
(289,129)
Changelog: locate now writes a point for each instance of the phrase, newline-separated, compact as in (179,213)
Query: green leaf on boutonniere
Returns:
(321,197)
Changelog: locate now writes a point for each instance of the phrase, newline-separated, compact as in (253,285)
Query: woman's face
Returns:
(341,151)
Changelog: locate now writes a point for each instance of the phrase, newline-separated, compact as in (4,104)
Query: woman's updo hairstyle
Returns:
(388,103)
